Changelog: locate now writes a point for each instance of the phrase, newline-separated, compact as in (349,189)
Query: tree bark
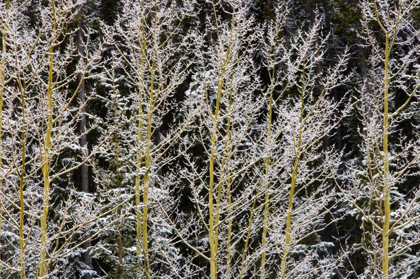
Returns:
(87,259)
(386,175)
(2,86)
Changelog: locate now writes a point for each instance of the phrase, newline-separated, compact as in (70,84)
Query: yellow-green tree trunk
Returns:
(45,155)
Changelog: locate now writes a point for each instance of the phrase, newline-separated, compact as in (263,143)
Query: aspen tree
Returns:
(222,90)
(301,123)
(22,87)
(213,236)
(387,162)
(45,153)
(3,28)
(17,50)
(223,144)
(273,51)
(53,120)
(274,41)
(154,56)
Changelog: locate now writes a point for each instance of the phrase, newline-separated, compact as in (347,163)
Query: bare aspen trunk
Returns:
(139,163)
(293,184)
(2,86)
(214,219)
(267,164)
(147,175)
(225,164)
(267,161)
(212,234)
(386,193)
(147,157)
(142,215)
(229,236)
(137,182)
(250,220)
(213,241)
(45,154)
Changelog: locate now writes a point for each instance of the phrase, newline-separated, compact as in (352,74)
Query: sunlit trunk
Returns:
(2,86)
(387,198)
(288,231)
(45,155)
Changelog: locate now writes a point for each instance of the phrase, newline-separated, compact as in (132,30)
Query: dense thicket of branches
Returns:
(209,139)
